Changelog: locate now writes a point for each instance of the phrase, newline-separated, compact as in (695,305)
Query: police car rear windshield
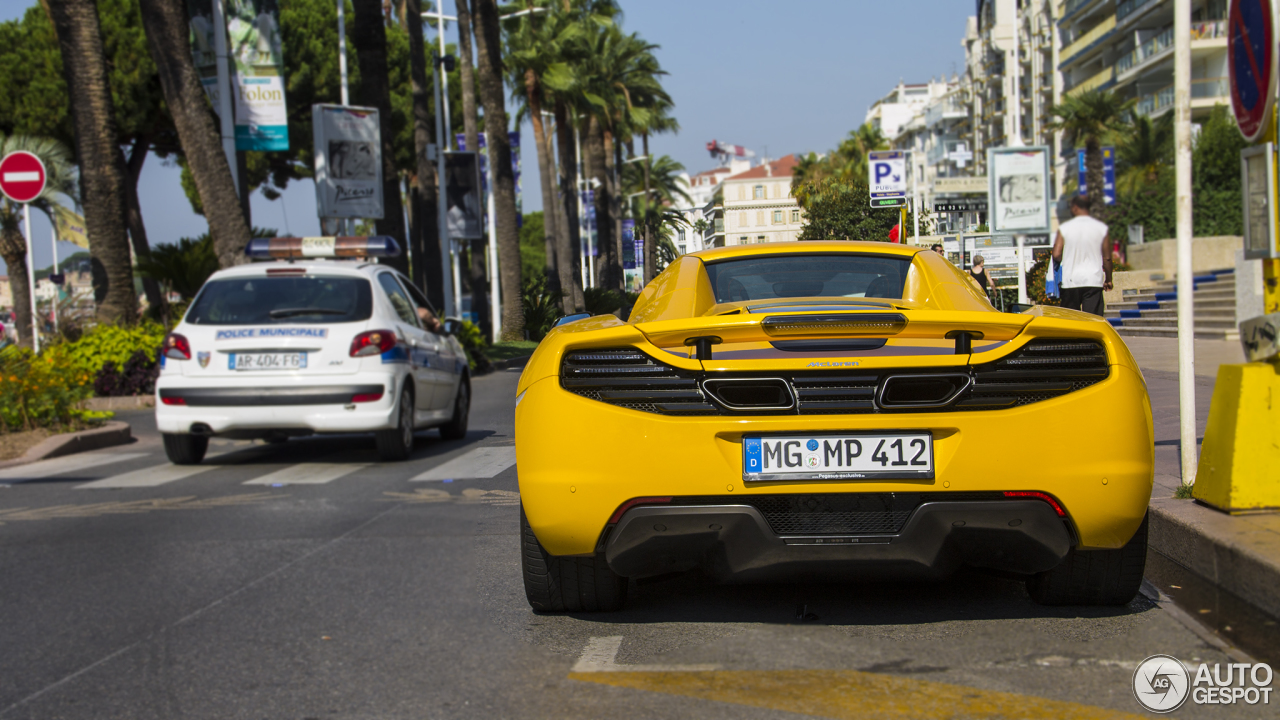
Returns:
(292,300)
(807,275)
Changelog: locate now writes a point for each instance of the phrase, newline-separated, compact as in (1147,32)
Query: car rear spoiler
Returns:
(961,326)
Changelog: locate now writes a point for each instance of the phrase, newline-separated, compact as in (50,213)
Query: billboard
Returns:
(514,138)
(348,157)
(1019,190)
(464,214)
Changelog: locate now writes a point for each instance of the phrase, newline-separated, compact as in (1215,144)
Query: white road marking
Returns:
(147,477)
(70,463)
(601,654)
(484,462)
(32,176)
(308,474)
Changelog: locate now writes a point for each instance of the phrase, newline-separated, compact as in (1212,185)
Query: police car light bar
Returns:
(322,247)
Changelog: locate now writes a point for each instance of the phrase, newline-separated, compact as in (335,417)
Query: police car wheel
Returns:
(456,429)
(396,444)
(1094,577)
(185,449)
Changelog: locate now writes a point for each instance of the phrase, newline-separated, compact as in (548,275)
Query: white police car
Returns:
(311,343)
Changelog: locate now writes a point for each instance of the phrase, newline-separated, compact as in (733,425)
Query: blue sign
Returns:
(1251,64)
(1108,174)
(514,138)
(629,253)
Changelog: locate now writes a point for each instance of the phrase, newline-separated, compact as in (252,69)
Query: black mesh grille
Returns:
(836,513)
(1041,370)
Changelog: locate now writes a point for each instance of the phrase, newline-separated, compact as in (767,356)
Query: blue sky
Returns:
(778,76)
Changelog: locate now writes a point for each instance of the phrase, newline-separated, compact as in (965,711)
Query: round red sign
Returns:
(1251,64)
(22,176)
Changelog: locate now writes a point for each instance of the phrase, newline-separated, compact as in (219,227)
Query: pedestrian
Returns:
(1081,248)
(978,273)
(938,249)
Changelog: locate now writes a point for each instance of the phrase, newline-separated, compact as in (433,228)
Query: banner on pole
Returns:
(70,226)
(255,43)
(1019,193)
(483,149)
(348,162)
(202,47)
(464,209)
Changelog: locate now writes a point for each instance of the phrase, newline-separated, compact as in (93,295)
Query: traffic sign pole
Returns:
(22,179)
(31,280)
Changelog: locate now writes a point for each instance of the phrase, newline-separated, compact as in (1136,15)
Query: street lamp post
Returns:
(447,255)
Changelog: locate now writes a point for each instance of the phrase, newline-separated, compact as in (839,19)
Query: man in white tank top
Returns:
(1081,250)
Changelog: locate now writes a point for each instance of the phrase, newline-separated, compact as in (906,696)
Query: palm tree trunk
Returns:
(477,269)
(137,229)
(1094,176)
(550,228)
(492,96)
(600,169)
(369,36)
(424,231)
(13,249)
(650,243)
(570,239)
(613,161)
(168,38)
(102,174)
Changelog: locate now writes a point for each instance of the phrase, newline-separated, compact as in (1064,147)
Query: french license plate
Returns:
(268,361)
(861,456)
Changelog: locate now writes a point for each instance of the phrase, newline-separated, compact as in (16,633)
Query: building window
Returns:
(777,217)
(760,238)
(742,192)
(760,217)
(795,216)
(742,219)
(744,240)
(680,238)
(759,192)
(680,248)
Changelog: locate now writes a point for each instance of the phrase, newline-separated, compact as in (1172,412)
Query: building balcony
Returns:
(1205,93)
(1089,39)
(1210,35)
(1097,80)
(1146,51)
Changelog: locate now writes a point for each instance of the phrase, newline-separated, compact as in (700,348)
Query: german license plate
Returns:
(860,456)
(268,361)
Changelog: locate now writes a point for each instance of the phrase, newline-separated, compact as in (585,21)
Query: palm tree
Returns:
(493,97)
(1087,117)
(479,280)
(60,173)
(102,178)
(424,246)
(1144,154)
(169,39)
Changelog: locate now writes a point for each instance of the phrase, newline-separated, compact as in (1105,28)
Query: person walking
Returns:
(978,273)
(1081,248)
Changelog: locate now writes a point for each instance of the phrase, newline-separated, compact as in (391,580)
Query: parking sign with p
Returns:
(887,176)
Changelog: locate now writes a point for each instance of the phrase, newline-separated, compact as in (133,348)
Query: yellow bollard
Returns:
(1239,467)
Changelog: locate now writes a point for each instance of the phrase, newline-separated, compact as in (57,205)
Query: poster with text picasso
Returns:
(1020,189)
(253,35)
(348,157)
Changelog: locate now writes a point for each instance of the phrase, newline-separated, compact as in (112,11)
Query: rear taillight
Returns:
(366,397)
(374,342)
(173,401)
(1032,494)
(176,347)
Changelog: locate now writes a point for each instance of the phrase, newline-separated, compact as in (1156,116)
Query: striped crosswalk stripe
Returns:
(484,462)
(58,466)
(147,477)
(308,474)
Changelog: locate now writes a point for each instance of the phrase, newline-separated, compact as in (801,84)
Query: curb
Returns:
(510,363)
(123,402)
(1233,553)
(112,433)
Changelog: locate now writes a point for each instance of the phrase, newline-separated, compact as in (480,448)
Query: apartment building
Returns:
(934,136)
(701,189)
(758,206)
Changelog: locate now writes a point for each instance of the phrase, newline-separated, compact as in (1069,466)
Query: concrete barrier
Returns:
(1207,253)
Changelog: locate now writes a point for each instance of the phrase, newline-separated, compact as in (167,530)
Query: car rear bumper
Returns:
(735,542)
(291,404)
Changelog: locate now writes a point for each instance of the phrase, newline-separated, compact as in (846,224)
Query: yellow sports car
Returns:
(831,410)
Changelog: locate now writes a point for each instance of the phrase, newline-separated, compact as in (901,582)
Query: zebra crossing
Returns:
(475,463)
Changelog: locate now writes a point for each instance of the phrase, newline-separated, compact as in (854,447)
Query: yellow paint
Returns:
(1088,38)
(1093,82)
(1270,286)
(703,455)
(851,695)
(132,507)
(1240,459)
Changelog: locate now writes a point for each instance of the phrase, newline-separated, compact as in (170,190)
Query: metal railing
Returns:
(1210,88)
(1126,8)
(1157,44)
(1209,30)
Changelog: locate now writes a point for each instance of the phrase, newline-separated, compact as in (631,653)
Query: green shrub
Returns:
(41,391)
(475,344)
(110,344)
(541,307)
(602,302)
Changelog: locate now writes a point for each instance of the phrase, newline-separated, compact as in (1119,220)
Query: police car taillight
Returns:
(287,248)
(176,347)
(374,342)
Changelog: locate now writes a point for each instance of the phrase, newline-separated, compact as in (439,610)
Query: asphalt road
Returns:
(305,580)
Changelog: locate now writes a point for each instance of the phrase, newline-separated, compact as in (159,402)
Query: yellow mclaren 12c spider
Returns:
(818,411)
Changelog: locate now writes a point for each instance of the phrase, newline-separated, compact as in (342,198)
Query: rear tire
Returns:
(456,429)
(1094,577)
(567,584)
(396,444)
(185,449)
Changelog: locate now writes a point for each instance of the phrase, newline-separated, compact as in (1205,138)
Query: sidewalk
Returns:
(1240,554)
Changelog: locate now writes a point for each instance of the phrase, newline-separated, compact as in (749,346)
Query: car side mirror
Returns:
(451,326)
(571,318)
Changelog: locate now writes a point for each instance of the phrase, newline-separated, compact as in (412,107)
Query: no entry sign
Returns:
(22,176)
(1251,63)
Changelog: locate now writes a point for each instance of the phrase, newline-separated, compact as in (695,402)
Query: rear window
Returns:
(292,300)
(843,275)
